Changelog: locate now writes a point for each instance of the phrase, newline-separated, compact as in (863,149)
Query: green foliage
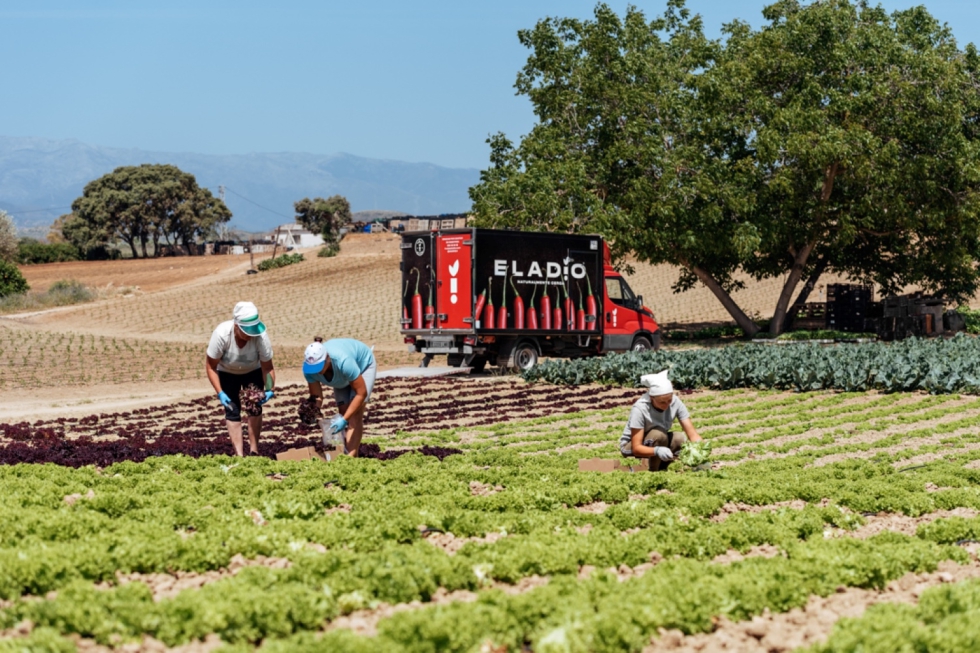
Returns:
(61,293)
(324,217)
(774,152)
(694,454)
(972,319)
(937,366)
(142,205)
(30,251)
(329,250)
(12,282)
(280,261)
(8,237)
(944,620)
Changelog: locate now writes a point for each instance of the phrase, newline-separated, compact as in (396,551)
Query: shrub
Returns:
(971,318)
(30,251)
(12,282)
(280,261)
(61,293)
(329,250)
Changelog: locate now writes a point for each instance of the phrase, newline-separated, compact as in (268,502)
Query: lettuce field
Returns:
(829,521)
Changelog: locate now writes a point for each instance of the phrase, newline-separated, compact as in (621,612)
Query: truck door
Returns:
(454,283)
(623,316)
(417,277)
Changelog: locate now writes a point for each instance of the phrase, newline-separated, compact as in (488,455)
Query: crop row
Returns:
(937,366)
(175,513)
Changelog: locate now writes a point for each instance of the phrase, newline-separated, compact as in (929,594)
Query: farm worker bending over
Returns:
(648,434)
(240,354)
(347,366)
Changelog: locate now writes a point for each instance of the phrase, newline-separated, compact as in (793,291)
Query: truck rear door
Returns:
(454,281)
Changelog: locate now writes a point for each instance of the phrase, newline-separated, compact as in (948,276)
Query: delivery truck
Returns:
(508,298)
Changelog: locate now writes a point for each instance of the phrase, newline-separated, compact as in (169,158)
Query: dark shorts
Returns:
(232,385)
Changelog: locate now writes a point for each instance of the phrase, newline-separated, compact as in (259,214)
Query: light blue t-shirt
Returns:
(348,358)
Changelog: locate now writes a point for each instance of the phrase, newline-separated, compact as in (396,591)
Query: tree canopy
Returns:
(143,205)
(836,137)
(324,216)
(8,237)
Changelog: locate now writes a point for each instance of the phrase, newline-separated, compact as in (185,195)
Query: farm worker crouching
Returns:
(648,434)
(240,354)
(347,366)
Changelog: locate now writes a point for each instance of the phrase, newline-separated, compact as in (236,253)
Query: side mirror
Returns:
(639,302)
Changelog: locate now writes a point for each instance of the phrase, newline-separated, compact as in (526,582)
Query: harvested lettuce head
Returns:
(695,453)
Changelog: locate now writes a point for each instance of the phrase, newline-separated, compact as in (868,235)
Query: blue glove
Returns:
(269,394)
(339,426)
(663,453)
(225,400)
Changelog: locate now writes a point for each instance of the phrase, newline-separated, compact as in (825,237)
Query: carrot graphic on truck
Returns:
(591,310)
(417,302)
(545,310)
(518,307)
(532,314)
(502,314)
(489,319)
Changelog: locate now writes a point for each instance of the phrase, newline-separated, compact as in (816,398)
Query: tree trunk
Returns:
(748,326)
(795,274)
(132,246)
(800,257)
(810,284)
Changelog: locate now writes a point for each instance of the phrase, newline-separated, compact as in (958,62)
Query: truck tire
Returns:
(640,344)
(454,360)
(525,356)
(656,340)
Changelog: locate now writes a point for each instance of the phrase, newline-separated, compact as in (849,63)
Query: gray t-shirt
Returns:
(232,359)
(644,416)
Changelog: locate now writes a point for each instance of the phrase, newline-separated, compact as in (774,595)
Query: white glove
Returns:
(663,453)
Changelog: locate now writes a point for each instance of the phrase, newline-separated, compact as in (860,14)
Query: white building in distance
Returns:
(296,235)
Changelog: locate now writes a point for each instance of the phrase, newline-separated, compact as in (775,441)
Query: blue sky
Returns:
(413,81)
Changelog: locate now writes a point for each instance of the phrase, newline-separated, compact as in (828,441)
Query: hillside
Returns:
(38,174)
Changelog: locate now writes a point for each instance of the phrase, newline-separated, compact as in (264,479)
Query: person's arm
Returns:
(360,396)
(211,369)
(689,430)
(316,390)
(640,450)
(268,369)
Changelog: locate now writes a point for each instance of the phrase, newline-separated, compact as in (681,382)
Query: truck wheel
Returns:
(656,340)
(641,343)
(525,356)
(454,360)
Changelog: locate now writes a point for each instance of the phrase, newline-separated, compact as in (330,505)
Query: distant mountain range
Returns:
(39,179)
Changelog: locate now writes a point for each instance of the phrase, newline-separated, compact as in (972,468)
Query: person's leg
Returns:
(656,438)
(355,431)
(231,385)
(254,430)
(235,433)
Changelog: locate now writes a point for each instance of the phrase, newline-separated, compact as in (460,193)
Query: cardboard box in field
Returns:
(309,453)
(614,465)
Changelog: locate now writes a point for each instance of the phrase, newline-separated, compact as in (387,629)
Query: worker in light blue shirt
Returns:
(347,366)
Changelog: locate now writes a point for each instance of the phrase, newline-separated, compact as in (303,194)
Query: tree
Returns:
(143,205)
(834,138)
(324,216)
(8,237)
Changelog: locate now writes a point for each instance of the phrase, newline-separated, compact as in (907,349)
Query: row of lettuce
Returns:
(937,366)
(177,514)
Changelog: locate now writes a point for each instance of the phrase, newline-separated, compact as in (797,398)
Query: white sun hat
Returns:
(247,319)
(658,384)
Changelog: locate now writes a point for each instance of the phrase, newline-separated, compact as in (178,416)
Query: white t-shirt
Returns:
(644,416)
(223,347)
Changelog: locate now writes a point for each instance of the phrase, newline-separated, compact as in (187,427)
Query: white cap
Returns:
(247,318)
(658,383)
(314,357)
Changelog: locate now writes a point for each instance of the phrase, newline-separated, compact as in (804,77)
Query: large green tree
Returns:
(144,205)
(324,216)
(836,137)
